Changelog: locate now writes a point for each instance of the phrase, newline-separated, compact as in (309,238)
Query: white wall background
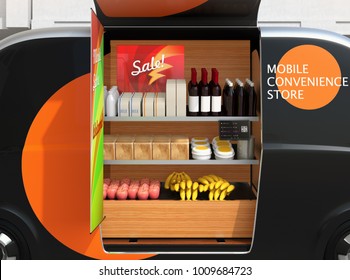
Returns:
(61,13)
(332,15)
(18,13)
(2,13)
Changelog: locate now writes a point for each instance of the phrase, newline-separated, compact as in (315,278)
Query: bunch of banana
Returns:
(189,190)
(218,187)
(182,183)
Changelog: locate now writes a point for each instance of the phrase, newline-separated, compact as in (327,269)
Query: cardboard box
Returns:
(124,104)
(159,105)
(161,147)
(170,98)
(119,102)
(109,146)
(143,147)
(179,147)
(136,104)
(124,147)
(180,98)
(148,104)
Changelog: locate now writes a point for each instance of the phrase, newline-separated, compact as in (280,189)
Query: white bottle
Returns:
(116,92)
(112,100)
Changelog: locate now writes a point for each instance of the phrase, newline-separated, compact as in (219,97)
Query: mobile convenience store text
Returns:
(295,77)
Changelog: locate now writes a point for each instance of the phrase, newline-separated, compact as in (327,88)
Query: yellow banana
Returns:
(201,188)
(211,194)
(217,194)
(224,185)
(208,178)
(218,184)
(188,194)
(230,188)
(195,185)
(173,179)
(203,181)
(167,181)
(182,176)
(178,178)
(215,178)
(206,188)
(194,194)
(212,186)
(172,187)
(183,185)
(223,194)
(219,178)
(189,184)
(182,194)
(187,177)
(177,187)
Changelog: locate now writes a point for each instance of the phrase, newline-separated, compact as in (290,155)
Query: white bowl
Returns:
(201,152)
(199,139)
(224,153)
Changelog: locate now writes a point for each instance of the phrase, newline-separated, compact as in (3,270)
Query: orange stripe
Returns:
(58,145)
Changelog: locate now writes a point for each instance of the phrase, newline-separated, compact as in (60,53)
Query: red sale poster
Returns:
(142,68)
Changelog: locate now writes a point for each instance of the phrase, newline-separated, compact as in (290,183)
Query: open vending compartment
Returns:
(169,224)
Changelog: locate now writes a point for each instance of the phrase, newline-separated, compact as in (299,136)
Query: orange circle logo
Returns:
(308,77)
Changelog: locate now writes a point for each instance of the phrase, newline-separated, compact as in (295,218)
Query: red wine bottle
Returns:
(193,94)
(204,93)
(211,83)
(215,94)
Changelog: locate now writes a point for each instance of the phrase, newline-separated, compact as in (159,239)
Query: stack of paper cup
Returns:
(245,148)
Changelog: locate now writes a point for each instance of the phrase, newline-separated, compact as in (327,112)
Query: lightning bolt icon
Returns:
(155,73)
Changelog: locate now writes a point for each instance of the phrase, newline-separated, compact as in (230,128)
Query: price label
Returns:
(234,130)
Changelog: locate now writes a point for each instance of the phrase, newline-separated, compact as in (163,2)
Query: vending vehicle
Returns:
(291,199)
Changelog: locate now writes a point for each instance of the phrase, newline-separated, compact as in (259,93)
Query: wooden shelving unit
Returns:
(169,220)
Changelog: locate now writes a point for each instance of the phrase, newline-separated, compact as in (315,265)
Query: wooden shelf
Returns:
(182,162)
(179,119)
